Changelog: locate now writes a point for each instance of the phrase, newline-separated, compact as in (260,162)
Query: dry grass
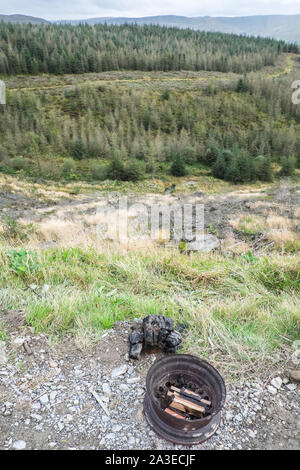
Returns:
(275,221)
(65,232)
(231,245)
(249,224)
(282,236)
(297,213)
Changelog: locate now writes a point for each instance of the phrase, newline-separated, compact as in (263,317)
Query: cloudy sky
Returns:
(76,9)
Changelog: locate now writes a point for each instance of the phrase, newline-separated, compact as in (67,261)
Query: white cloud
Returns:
(68,9)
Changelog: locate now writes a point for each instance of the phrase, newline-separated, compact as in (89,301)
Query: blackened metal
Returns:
(183,370)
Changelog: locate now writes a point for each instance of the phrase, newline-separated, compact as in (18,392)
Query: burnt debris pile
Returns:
(157,331)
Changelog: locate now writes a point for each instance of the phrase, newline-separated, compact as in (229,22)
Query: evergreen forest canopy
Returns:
(58,49)
(126,133)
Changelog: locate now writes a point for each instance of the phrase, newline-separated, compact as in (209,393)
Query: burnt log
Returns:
(136,340)
(135,350)
(157,332)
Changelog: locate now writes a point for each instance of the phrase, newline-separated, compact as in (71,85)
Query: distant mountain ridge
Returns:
(286,27)
(22,19)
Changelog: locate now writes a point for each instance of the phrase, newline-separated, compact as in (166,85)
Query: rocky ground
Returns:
(49,392)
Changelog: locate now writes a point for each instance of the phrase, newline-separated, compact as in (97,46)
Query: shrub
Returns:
(116,169)
(78,149)
(19,163)
(68,166)
(49,168)
(288,166)
(178,167)
(190,155)
(219,167)
(263,169)
(166,95)
(242,86)
(98,171)
(240,167)
(3,154)
(134,170)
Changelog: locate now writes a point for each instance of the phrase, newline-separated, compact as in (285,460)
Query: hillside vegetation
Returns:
(132,128)
(238,312)
(76,49)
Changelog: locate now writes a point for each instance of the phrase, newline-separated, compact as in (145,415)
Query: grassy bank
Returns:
(240,312)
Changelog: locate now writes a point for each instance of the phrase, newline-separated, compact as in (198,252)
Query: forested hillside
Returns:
(238,130)
(61,49)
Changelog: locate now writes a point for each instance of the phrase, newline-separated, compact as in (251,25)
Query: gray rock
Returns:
(272,389)
(276,382)
(19,445)
(106,389)
(7,408)
(131,441)
(208,243)
(119,371)
(133,380)
(44,399)
(53,395)
(37,417)
(117,428)
(36,405)
(291,387)
(19,341)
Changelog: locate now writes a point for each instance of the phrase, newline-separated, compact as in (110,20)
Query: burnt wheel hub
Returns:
(182,370)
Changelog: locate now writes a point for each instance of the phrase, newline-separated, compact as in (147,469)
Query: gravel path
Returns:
(46,400)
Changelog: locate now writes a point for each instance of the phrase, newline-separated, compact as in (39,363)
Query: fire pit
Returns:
(184,398)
